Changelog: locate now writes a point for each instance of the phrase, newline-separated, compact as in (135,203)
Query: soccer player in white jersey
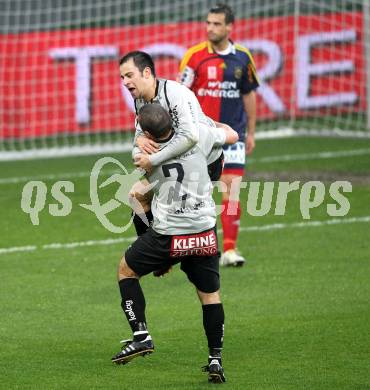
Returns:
(183,231)
(138,74)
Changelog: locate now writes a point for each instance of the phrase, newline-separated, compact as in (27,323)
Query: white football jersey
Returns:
(182,201)
(186,114)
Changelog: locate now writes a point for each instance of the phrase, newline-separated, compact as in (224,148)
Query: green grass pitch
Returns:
(297,314)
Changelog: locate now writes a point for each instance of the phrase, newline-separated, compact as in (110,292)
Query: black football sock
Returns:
(213,323)
(133,305)
(140,226)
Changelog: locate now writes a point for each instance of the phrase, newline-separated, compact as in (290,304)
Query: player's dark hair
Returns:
(154,119)
(221,8)
(141,60)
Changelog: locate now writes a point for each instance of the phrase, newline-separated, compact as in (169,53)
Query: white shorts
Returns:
(234,157)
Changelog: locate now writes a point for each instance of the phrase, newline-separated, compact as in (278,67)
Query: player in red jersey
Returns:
(223,76)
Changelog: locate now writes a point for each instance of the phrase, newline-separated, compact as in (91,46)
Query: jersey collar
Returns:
(156,91)
(210,48)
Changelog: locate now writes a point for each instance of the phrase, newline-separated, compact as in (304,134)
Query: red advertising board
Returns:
(68,81)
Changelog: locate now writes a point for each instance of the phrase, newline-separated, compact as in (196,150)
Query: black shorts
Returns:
(215,168)
(198,254)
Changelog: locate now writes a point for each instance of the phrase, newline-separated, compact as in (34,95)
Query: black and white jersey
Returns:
(211,144)
(186,115)
(182,201)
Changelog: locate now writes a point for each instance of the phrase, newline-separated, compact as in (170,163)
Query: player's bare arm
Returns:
(146,145)
(231,135)
(249,101)
(142,160)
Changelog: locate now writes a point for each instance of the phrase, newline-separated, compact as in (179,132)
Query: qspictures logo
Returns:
(34,196)
(261,197)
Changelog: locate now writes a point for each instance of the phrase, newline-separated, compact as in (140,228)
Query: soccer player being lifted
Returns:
(183,231)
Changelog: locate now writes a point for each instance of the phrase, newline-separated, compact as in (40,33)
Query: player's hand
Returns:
(249,144)
(147,145)
(142,161)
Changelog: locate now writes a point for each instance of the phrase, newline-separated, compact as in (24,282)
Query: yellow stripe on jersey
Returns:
(245,50)
(190,52)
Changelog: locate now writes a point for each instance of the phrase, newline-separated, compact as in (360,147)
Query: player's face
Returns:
(217,30)
(134,80)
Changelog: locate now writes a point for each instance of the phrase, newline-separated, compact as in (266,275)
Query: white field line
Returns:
(52,176)
(334,221)
(287,132)
(28,248)
(65,151)
(312,156)
(278,158)
(69,245)
(80,150)
(114,241)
